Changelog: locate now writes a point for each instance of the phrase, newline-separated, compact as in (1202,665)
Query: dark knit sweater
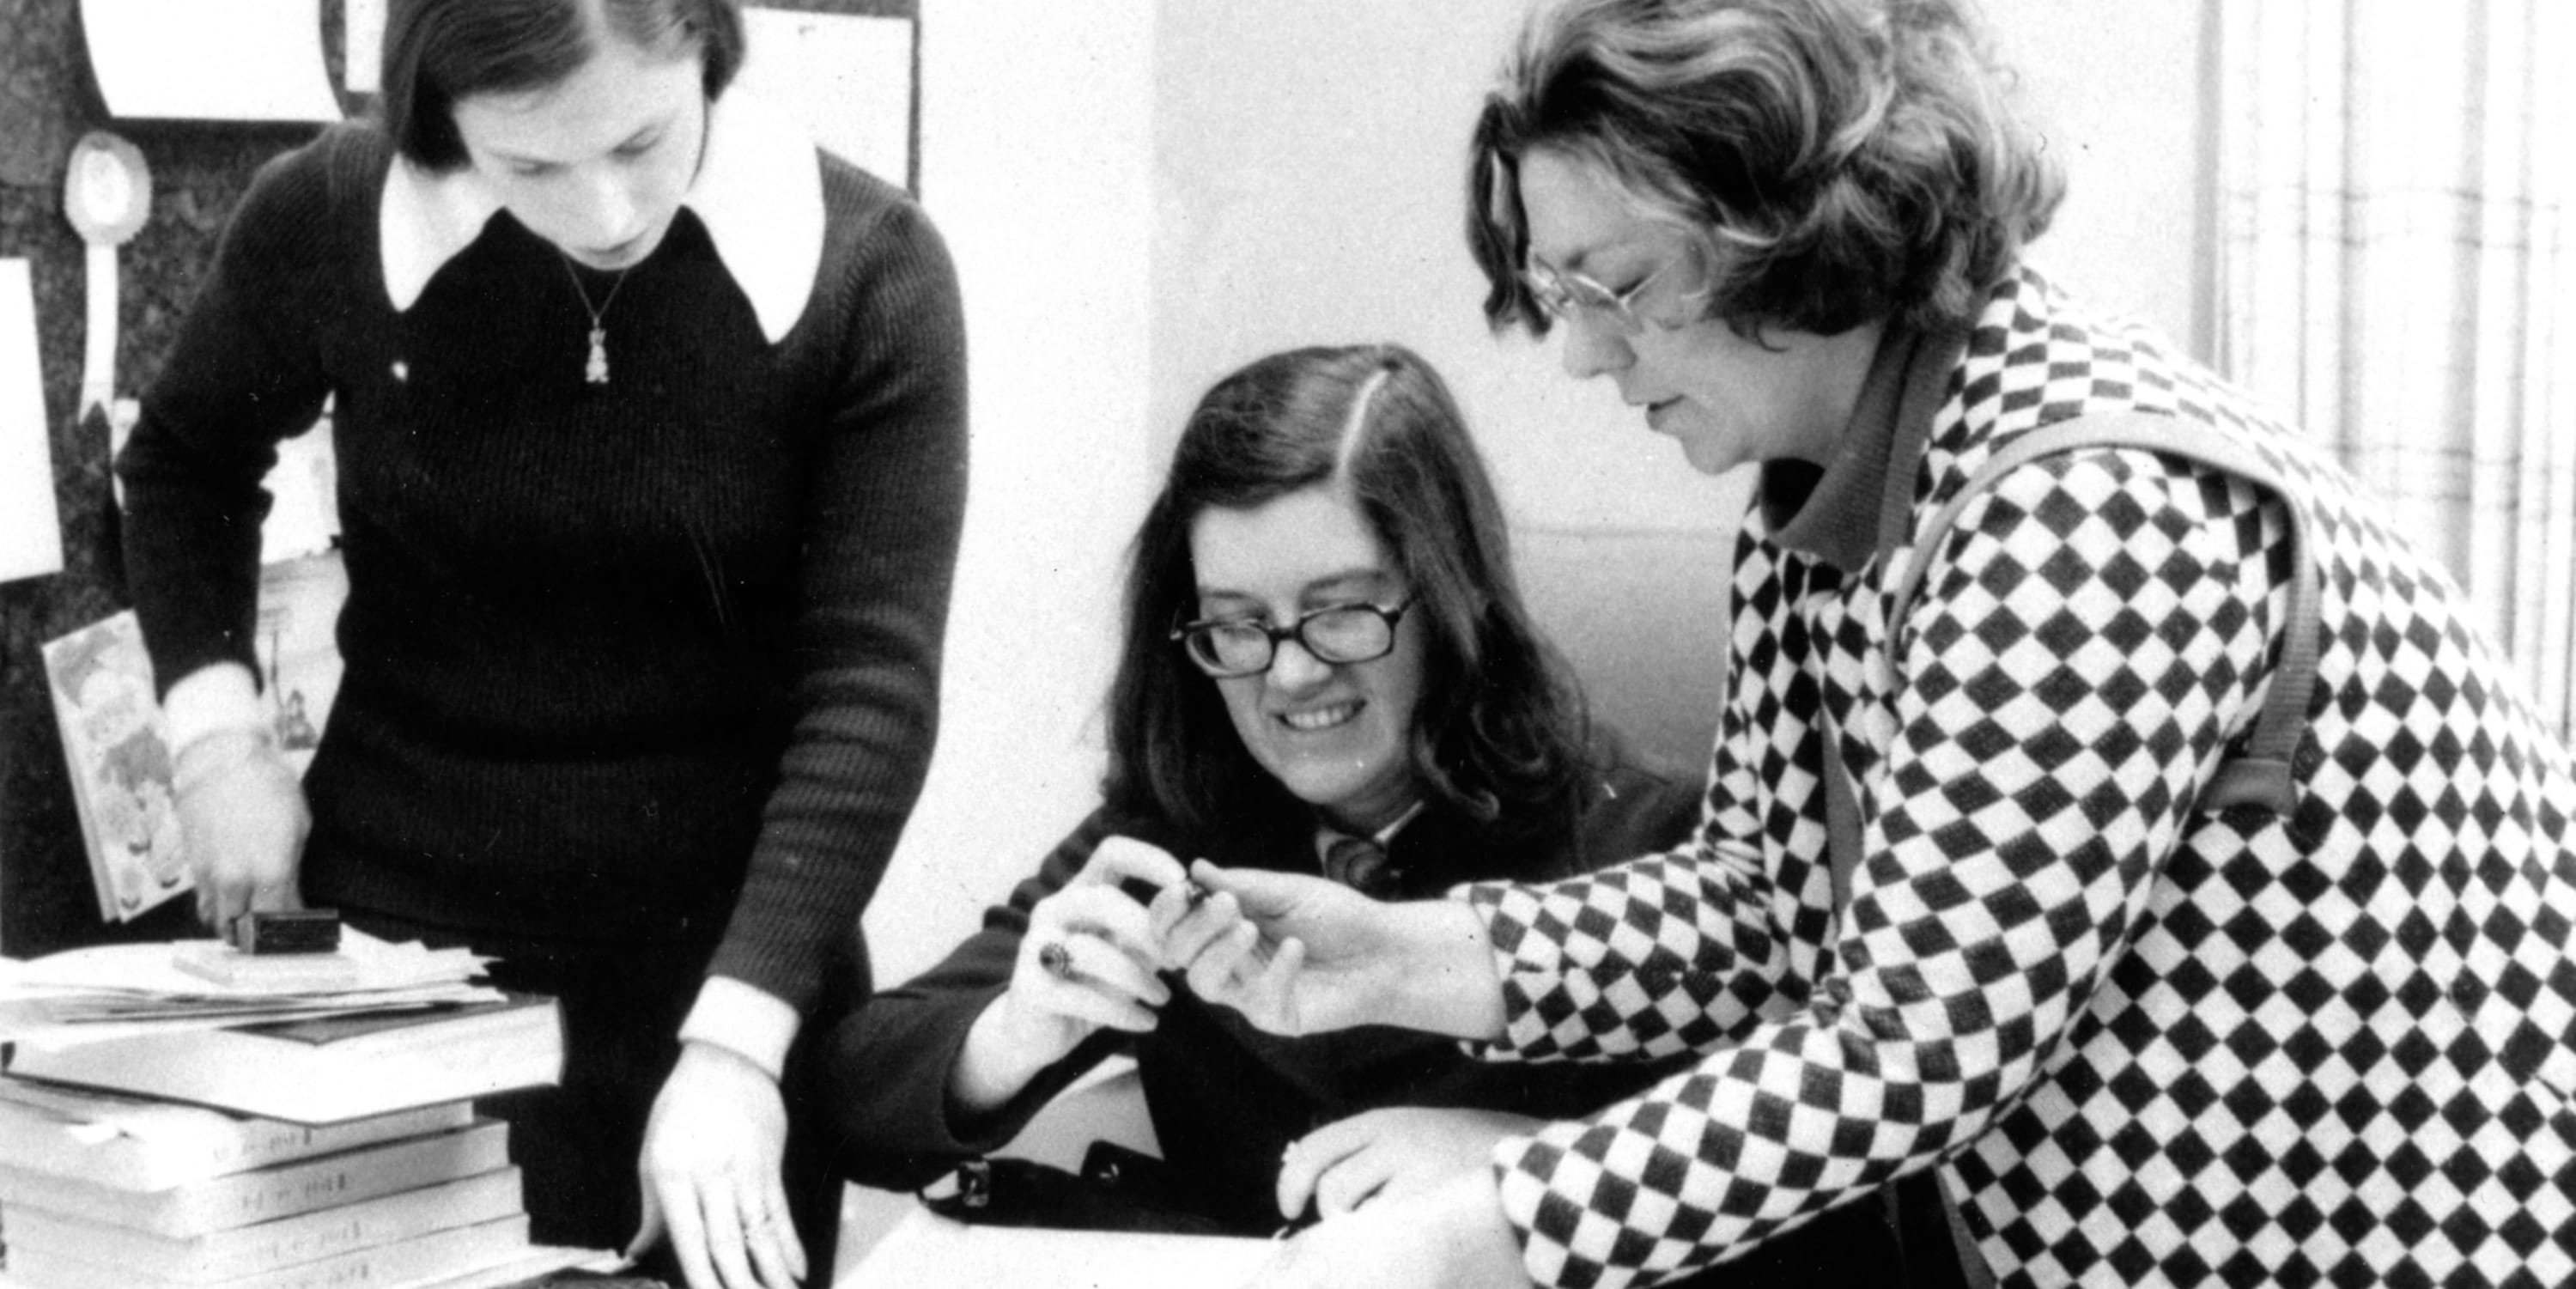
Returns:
(654,661)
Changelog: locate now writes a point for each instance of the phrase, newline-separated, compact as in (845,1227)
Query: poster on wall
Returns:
(210,60)
(31,535)
(299,657)
(116,743)
(117,750)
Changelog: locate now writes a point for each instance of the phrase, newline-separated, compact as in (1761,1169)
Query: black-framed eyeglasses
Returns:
(1337,633)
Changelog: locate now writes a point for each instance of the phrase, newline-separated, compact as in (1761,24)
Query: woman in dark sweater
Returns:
(650,422)
(1327,669)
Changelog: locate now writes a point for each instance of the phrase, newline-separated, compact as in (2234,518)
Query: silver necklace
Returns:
(596,370)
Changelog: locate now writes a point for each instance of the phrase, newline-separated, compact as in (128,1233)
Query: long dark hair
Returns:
(437,52)
(1498,734)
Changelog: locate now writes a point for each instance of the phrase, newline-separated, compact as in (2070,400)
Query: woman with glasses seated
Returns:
(1327,669)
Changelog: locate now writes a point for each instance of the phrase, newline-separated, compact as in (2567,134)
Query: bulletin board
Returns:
(49,99)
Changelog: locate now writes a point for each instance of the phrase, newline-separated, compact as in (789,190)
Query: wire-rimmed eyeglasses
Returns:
(1567,296)
(1337,633)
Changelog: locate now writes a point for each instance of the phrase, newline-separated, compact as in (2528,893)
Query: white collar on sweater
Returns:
(759,192)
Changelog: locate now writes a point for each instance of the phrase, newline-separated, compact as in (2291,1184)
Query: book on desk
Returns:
(211,1256)
(408,1201)
(323,1071)
(311,1154)
(262,1194)
(421,1260)
(141,1144)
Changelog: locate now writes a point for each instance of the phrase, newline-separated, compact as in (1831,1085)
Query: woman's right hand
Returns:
(242,821)
(1300,955)
(1390,1153)
(1087,960)
(1452,1235)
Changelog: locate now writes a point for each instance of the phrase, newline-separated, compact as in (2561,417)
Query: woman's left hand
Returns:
(711,1174)
(1389,1154)
(1453,1236)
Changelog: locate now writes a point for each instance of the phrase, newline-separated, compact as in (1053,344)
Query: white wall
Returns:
(1036,164)
(1309,180)
(2123,90)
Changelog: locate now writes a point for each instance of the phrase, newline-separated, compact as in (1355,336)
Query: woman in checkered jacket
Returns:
(2136,1025)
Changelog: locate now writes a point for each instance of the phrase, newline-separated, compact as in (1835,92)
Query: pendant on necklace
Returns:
(595,371)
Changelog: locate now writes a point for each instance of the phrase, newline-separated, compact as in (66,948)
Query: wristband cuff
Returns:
(213,699)
(210,753)
(750,1021)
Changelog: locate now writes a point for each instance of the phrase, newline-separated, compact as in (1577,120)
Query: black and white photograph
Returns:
(1355,644)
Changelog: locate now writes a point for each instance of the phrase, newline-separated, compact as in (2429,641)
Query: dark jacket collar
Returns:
(1844,512)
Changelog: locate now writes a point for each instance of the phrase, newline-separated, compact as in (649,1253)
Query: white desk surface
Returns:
(1105,1104)
(927,1251)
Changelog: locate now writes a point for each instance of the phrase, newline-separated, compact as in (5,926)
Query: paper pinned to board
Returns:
(846,78)
(303,495)
(31,529)
(116,748)
(116,751)
(107,195)
(299,656)
(210,60)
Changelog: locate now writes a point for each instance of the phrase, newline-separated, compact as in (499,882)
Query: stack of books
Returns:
(322,1070)
(314,1154)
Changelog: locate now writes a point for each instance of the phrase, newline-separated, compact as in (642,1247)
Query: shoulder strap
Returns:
(2262,775)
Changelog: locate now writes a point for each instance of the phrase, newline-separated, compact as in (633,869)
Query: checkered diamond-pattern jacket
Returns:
(2146,1045)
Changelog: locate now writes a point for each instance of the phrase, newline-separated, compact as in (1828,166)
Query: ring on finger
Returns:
(1057,959)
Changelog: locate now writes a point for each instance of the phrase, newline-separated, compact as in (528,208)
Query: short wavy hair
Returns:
(1499,732)
(1834,162)
(437,52)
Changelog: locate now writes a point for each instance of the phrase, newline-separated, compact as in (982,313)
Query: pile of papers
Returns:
(118,991)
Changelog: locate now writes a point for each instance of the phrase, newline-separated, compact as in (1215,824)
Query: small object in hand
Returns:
(274,931)
(1196,893)
(1057,959)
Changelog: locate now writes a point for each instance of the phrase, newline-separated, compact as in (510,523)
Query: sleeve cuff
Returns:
(744,1019)
(1509,912)
(215,698)
(1563,1240)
